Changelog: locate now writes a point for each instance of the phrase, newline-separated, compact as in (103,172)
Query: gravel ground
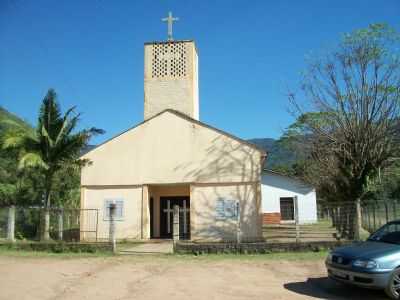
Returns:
(155,277)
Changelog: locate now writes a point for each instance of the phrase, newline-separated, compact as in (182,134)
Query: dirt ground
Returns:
(149,277)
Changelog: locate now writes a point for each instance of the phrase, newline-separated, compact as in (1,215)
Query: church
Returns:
(172,158)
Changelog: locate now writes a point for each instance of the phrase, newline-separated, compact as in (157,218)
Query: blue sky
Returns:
(91,52)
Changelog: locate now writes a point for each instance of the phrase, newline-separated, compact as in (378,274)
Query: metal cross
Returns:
(168,211)
(170,21)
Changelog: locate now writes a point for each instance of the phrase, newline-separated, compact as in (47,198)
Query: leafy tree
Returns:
(51,149)
(20,186)
(351,131)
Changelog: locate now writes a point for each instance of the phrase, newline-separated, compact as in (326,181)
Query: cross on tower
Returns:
(170,21)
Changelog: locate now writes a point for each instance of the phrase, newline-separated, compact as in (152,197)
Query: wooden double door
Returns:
(166,216)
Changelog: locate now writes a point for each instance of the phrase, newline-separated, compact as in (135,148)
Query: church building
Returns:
(172,158)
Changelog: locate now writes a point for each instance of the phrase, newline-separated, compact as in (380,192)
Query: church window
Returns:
(119,210)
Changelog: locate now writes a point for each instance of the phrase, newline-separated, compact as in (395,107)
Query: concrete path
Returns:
(159,247)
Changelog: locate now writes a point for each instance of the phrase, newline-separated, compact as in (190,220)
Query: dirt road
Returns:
(145,277)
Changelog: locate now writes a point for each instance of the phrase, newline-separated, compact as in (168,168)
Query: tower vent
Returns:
(169,60)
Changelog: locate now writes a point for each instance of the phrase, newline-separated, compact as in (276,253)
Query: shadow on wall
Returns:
(286,183)
(208,227)
(235,168)
(325,288)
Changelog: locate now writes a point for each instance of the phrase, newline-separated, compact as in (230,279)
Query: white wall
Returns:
(275,186)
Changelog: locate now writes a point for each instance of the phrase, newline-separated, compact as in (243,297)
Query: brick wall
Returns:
(271,218)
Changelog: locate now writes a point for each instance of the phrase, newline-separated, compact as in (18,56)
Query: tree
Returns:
(54,146)
(20,186)
(352,128)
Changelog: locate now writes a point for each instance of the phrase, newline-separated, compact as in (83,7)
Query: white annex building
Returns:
(278,194)
(172,158)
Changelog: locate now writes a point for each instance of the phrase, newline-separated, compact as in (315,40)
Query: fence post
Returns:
(296,218)
(60,224)
(357,233)
(11,224)
(112,228)
(175,228)
(238,227)
(368,217)
(386,212)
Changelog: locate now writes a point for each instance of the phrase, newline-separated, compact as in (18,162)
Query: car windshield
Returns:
(389,233)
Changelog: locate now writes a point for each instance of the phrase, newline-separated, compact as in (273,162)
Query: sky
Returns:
(251,53)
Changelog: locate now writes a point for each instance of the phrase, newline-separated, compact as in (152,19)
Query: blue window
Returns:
(119,211)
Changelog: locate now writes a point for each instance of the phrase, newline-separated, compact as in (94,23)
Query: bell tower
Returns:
(171,76)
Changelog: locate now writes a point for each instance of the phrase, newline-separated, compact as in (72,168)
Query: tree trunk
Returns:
(45,225)
(333,216)
(45,217)
(11,224)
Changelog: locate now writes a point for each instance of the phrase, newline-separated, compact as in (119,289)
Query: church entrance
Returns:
(166,216)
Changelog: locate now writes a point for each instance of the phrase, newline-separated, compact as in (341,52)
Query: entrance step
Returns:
(164,247)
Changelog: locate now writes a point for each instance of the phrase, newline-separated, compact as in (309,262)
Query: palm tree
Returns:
(55,145)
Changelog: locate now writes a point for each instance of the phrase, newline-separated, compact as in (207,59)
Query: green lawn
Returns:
(294,256)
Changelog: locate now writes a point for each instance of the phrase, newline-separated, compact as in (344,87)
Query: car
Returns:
(374,263)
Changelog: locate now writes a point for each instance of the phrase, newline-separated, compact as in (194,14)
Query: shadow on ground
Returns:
(325,288)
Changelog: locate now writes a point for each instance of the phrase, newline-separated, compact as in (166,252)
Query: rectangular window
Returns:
(226,209)
(119,210)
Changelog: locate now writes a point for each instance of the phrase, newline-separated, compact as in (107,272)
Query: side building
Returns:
(278,194)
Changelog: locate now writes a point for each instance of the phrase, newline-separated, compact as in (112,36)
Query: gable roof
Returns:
(183,116)
(287,176)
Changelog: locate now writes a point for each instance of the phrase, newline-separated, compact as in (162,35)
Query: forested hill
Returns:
(9,120)
(277,154)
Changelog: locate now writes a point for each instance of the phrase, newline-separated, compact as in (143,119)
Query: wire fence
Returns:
(377,213)
(341,216)
(68,225)
(374,214)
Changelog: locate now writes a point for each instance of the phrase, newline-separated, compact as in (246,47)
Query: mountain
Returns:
(9,120)
(277,154)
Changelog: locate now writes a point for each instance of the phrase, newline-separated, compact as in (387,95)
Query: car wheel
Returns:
(393,287)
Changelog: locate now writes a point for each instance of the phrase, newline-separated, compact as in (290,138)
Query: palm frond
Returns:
(32,160)
(13,141)
(46,135)
(68,124)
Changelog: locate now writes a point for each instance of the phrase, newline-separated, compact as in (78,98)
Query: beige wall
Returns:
(171,155)
(170,149)
(129,227)
(205,225)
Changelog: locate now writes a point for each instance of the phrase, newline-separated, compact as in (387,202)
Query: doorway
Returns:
(287,209)
(167,204)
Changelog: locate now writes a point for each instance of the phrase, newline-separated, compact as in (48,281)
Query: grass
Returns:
(25,253)
(288,256)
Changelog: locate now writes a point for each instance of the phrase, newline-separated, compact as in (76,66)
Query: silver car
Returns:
(374,263)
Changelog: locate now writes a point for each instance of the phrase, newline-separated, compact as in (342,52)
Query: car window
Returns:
(389,233)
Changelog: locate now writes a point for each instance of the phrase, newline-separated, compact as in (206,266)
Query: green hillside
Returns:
(9,120)
(277,154)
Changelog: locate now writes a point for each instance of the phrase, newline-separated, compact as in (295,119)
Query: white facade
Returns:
(275,186)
